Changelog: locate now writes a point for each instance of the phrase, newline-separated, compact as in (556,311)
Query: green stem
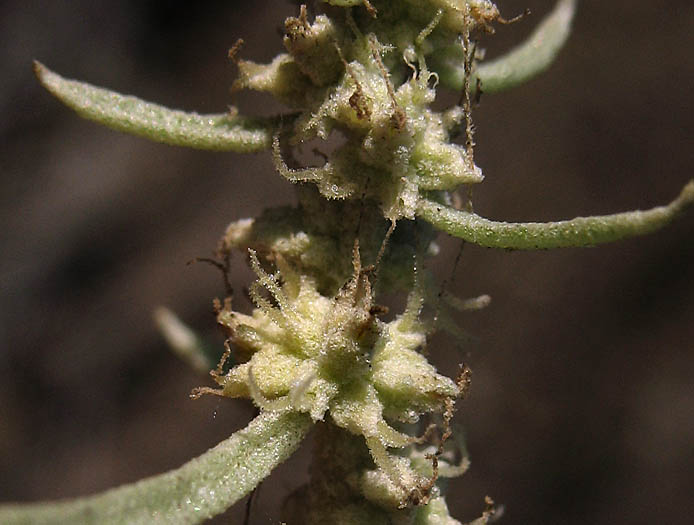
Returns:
(199,490)
(581,231)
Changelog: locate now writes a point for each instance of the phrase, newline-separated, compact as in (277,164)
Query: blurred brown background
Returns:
(582,408)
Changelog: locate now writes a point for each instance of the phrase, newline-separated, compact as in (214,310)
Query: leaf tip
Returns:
(39,69)
(45,76)
(686,196)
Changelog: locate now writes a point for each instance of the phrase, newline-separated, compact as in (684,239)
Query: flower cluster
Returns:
(376,91)
(361,79)
(333,358)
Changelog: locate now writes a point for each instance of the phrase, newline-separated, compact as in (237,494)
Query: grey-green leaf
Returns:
(220,132)
(184,342)
(200,489)
(531,57)
(581,231)
(519,65)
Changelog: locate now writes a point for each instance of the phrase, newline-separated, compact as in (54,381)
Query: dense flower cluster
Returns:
(361,78)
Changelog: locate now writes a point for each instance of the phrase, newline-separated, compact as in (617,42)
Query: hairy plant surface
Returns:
(318,347)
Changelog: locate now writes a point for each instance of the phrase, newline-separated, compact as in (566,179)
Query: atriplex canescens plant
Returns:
(317,347)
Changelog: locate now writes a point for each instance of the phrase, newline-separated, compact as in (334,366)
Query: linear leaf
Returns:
(200,489)
(220,132)
(581,231)
(531,57)
(185,343)
(523,62)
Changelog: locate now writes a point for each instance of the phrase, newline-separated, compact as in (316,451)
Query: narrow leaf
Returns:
(525,61)
(200,489)
(185,342)
(531,57)
(221,132)
(581,231)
